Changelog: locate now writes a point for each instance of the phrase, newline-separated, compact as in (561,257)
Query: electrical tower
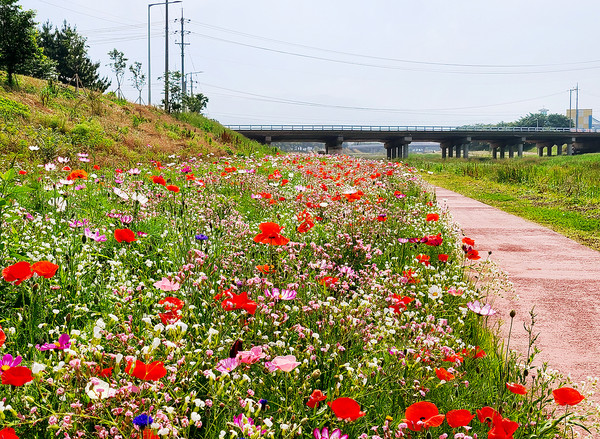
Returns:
(183,32)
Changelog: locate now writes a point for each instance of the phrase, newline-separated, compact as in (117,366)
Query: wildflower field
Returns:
(279,297)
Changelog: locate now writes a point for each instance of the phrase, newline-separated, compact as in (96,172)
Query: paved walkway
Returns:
(558,276)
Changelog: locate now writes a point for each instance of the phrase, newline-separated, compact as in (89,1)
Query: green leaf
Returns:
(9,175)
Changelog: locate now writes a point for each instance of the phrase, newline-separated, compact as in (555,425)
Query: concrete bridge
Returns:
(454,141)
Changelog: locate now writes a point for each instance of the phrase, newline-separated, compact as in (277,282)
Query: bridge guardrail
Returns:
(415,128)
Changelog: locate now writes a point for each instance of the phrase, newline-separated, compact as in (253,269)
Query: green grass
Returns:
(562,193)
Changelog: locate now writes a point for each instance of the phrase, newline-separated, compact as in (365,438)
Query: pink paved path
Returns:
(557,275)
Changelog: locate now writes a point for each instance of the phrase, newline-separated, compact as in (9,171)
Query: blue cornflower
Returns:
(263,403)
(201,237)
(143,420)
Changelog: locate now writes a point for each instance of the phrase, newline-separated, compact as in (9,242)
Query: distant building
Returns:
(584,121)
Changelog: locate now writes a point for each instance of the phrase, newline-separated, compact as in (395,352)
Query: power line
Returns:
(407,61)
(390,110)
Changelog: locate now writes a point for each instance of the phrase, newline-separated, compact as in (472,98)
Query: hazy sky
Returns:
(375,62)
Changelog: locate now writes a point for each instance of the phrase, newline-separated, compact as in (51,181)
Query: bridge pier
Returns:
(334,145)
(459,145)
(398,148)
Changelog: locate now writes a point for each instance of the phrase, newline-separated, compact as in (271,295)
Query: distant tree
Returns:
(69,50)
(139,79)
(195,103)
(558,121)
(542,120)
(175,96)
(118,64)
(18,41)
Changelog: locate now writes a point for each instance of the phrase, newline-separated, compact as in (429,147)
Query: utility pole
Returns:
(577,107)
(167,3)
(183,44)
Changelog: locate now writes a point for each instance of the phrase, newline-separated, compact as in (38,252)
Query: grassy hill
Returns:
(61,120)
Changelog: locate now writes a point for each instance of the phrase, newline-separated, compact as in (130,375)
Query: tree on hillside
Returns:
(118,64)
(18,43)
(195,103)
(69,50)
(138,80)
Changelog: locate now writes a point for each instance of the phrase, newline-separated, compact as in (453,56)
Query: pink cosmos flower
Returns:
(324,434)
(454,292)
(285,363)
(94,236)
(278,294)
(481,309)
(251,356)
(64,342)
(8,361)
(227,365)
(166,284)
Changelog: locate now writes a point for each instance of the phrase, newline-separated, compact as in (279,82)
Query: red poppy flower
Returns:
(473,255)
(409,275)
(17,376)
(502,428)
(518,389)
(265,269)
(44,269)
(231,169)
(486,415)
(346,408)
(66,168)
(125,235)
(8,433)
(22,172)
(96,167)
(105,373)
(423,414)
(172,306)
(190,177)
(567,396)
(443,374)
(400,302)
(2,337)
(423,259)
(78,174)
(159,180)
(434,240)
(173,188)
(432,217)
(459,418)
(443,257)
(305,226)
(315,398)
(149,434)
(270,234)
(468,241)
(328,281)
(147,372)
(453,358)
(18,272)
(241,301)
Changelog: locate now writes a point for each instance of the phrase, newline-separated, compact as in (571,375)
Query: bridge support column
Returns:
(549,149)
(398,148)
(559,149)
(466,147)
(494,153)
(540,151)
(458,148)
(444,151)
(267,140)
(569,148)
(502,151)
(520,150)
(334,145)
(511,151)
